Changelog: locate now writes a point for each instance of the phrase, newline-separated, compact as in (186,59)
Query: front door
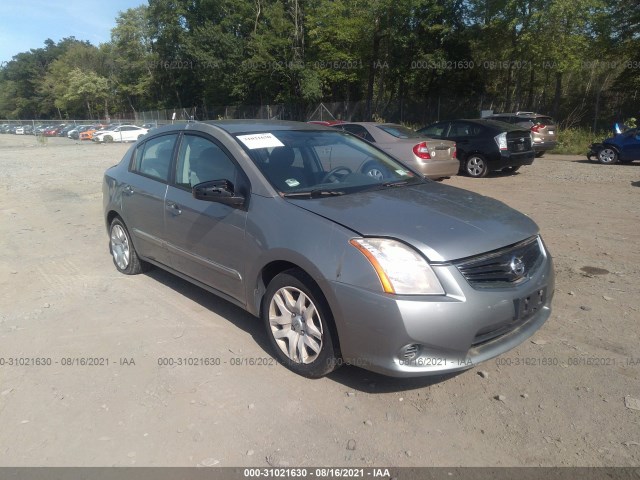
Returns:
(205,239)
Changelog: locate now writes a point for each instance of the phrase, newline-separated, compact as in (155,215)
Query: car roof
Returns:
(373,124)
(487,122)
(254,126)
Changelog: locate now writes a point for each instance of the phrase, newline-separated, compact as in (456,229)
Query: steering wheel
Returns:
(333,171)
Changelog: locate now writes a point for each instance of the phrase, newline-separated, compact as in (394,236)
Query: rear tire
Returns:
(299,325)
(108,139)
(123,253)
(475,166)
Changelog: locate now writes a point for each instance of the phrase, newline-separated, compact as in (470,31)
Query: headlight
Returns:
(400,268)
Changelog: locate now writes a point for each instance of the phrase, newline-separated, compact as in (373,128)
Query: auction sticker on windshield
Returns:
(260,140)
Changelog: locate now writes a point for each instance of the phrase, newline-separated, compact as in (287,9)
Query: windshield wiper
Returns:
(395,184)
(317,193)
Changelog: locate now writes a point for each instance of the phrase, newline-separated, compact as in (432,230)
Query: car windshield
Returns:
(399,131)
(322,163)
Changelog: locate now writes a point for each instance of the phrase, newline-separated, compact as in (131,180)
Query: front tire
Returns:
(108,139)
(124,254)
(298,324)
(607,156)
(475,166)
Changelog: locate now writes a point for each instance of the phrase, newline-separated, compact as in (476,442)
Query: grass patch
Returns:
(576,141)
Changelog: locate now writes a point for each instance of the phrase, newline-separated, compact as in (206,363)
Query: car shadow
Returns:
(502,173)
(635,184)
(364,381)
(619,164)
(225,309)
(350,376)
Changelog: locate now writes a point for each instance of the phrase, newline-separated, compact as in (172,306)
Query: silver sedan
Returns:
(397,274)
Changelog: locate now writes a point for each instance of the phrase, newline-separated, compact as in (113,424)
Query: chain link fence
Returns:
(407,111)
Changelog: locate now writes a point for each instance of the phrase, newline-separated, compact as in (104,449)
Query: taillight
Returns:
(501,140)
(421,150)
(454,154)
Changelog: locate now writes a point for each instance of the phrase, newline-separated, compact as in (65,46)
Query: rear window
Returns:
(543,121)
(500,118)
(399,131)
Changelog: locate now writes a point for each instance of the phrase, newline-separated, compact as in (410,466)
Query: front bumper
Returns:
(448,332)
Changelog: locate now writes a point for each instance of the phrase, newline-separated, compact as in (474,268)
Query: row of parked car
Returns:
(114,132)
(474,147)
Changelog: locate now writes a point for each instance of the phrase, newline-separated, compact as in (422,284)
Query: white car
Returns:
(123,133)
(20,131)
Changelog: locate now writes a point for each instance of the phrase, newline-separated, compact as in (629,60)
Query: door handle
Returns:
(128,190)
(174,208)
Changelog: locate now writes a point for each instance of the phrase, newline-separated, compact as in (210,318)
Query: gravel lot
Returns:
(567,397)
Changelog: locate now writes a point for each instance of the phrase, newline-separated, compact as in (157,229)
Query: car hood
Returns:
(443,222)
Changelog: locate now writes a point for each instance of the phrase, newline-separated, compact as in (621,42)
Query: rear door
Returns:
(143,194)
(466,135)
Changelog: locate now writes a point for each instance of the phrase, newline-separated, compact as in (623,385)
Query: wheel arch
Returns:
(111,214)
(273,268)
(475,151)
(611,146)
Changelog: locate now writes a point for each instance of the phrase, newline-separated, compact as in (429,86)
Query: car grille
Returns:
(505,267)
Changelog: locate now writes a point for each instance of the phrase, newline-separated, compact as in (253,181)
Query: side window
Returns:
(153,158)
(475,130)
(461,129)
(436,130)
(201,160)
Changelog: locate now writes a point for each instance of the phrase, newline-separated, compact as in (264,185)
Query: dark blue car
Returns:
(622,148)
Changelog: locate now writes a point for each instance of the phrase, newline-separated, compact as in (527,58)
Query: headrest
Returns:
(207,155)
(282,157)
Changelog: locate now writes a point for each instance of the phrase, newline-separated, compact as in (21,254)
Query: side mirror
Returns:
(220,191)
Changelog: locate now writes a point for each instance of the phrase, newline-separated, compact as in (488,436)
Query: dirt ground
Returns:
(567,397)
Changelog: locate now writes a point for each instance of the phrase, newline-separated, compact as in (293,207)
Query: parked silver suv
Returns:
(543,128)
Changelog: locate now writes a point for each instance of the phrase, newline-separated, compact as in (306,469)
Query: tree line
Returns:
(412,60)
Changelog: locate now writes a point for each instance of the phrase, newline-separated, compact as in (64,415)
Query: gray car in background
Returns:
(433,158)
(398,274)
(544,131)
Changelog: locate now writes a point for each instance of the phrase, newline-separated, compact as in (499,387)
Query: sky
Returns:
(26,24)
